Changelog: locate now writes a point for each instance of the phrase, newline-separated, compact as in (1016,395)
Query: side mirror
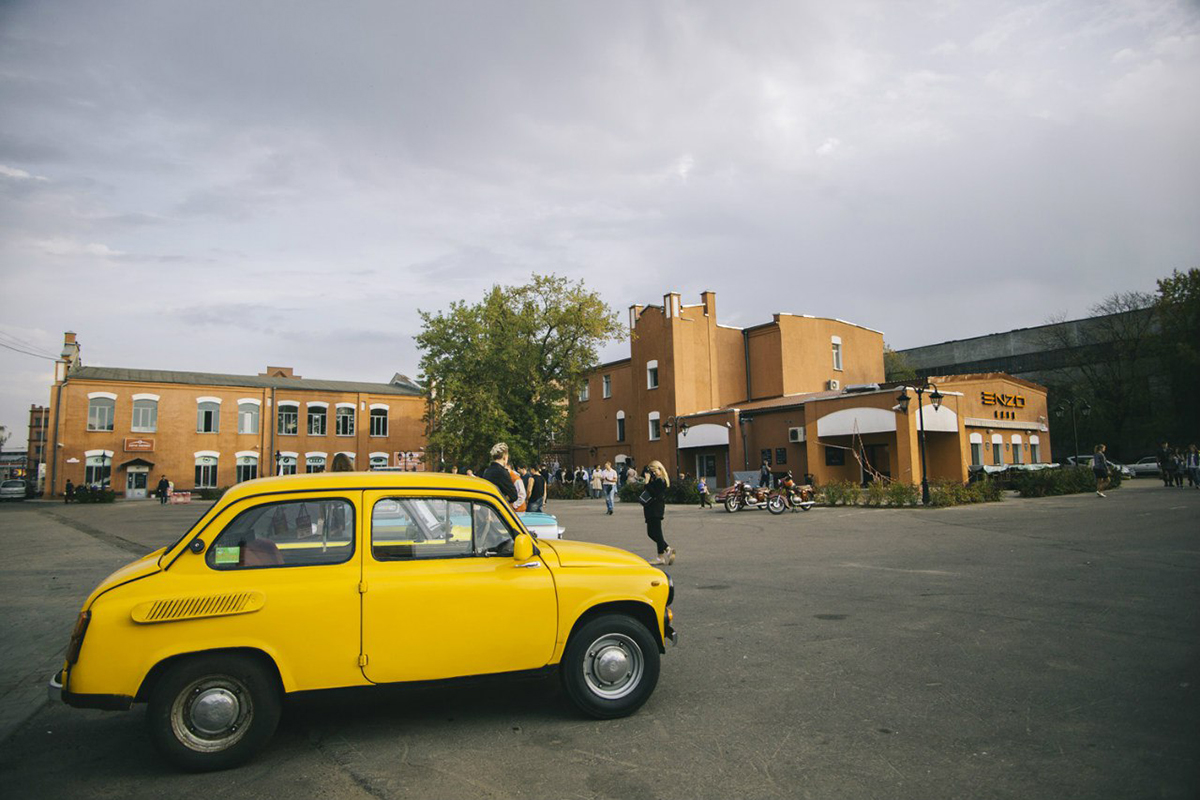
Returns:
(522,548)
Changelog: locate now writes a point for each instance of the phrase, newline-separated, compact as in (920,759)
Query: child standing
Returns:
(702,487)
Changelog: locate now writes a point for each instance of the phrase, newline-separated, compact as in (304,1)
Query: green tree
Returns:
(896,366)
(1178,308)
(503,369)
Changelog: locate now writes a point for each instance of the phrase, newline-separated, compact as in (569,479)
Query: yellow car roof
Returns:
(326,481)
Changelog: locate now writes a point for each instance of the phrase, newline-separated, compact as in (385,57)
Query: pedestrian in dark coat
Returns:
(655,509)
(161,490)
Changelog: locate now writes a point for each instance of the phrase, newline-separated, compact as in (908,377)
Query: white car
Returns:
(12,490)
(1086,461)
(1145,466)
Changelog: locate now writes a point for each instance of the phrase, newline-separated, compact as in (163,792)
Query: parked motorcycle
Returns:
(791,496)
(743,495)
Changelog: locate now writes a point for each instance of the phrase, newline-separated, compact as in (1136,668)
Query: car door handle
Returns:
(527,565)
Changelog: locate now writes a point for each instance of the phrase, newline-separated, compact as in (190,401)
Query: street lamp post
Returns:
(680,425)
(1084,410)
(278,461)
(935,397)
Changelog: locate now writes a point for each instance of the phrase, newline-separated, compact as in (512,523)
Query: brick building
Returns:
(128,427)
(805,394)
(39,417)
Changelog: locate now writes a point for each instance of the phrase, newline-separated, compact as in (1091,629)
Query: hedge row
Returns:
(898,494)
(1059,480)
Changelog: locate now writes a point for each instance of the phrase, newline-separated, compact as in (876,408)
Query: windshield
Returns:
(13,484)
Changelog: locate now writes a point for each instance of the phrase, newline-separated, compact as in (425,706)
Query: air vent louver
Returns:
(216,605)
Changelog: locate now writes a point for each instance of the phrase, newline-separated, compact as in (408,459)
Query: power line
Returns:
(26,352)
(16,340)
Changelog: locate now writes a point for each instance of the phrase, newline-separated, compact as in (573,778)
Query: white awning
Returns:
(706,435)
(850,421)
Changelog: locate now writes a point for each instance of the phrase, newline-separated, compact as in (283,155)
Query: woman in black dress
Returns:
(657,482)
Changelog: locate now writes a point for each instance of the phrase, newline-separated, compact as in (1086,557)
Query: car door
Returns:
(443,597)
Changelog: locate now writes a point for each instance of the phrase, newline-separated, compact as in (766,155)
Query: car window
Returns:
(405,528)
(296,533)
(13,484)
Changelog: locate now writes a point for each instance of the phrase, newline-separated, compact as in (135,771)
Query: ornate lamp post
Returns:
(1084,410)
(677,424)
(935,397)
(278,461)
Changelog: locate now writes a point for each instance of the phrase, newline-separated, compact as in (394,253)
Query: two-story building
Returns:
(799,393)
(126,428)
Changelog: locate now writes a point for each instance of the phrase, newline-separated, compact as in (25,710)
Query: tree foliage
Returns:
(896,366)
(1178,310)
(502,369)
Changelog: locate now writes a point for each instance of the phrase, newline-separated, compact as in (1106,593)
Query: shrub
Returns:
(210,494)
(876,493)
(88,494)
(566,491)
(900,493)
(844,493)
(630,492)
(1057,481)
(682,493)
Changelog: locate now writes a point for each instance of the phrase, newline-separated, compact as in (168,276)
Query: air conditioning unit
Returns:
(796,435)
(833,385)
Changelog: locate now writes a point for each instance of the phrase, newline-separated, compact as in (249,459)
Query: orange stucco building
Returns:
(805,394)
(128,427)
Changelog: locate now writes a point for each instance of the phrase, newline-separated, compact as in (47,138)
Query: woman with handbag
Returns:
(654,507)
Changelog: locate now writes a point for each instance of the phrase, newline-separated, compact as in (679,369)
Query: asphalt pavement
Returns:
(1040,648)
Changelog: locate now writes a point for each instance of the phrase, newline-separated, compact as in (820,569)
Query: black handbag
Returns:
(644,498)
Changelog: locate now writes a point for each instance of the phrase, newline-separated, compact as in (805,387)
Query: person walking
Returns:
(608,484)
(68,492)
(1192,462)
(535,489)
(764,476)
(1163,456)
(1100,470)
(702,488)
(597,483)
(161,490)
(655,508)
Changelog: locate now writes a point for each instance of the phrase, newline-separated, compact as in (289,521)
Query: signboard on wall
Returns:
(139,445)
(1003,400)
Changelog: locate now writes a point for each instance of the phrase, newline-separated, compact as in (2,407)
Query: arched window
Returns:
(997,450)
(287,463)
(652,374)
(345,419)
(314,462)
(288,418)
(247,466)
(1035,450)
(145,413)
(206,469)
(1016,448)
(379,460)
(379,419)
(620,426)
(102,408)
(208,415)
(248,415)
(976,449)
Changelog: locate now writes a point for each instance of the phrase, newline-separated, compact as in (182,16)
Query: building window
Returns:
(976,449)
(208,417)
(620,426)
(1016,449)
(314,464)
(379,422)
(997,453)
(379,460)
(287,465)
(206,472)
(651,374)
(248,417)
(654,426)
(607,386)
(837,352)
(97,470)
(316,421)
(1035,455)
(145,416)
(780,455)
(345,421)
(101,411)
(247,468)
(583,392)
(289,419)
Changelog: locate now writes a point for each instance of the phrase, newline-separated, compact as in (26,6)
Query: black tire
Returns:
(733,503)
(241,710)
(806,505)
(776,504)
(632,663)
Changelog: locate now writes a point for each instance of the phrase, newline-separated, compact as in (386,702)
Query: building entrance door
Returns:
(135,483)
(876,458)
(706,468)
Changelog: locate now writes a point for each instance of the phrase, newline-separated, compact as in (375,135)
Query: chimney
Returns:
(70,351)
(709,299)
(277,372)
(671,304)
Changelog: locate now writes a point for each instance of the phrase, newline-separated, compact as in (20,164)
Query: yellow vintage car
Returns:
(323,581)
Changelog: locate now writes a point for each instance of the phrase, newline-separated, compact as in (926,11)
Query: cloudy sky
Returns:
(224,185)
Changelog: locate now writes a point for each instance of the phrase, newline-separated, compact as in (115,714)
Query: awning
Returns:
(706,435)
(850,421)
(136,462)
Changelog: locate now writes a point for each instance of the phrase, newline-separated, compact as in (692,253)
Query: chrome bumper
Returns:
(54,688)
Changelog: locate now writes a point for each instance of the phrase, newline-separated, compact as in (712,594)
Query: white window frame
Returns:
(606,382)
(1035,449)
(149,403)
(373,416)
(339,416)
(655,426)
(836,342)
(652,374)
(378,459)
(977,449)
(243,459)
(288,459)
(294,405)
(584,392)
(1016,448)
(201,402)
(94,421)
(998,450)
(620,426)
(311,415)
(248,421)
(206,474)
(314,459)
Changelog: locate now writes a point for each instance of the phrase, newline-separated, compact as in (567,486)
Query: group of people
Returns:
(1175,464)
(524,487)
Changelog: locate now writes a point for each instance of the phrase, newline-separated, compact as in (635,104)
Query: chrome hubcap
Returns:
(614,666)
(214,710)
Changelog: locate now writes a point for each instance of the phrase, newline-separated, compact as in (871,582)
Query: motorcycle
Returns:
(791,496)
(743,495)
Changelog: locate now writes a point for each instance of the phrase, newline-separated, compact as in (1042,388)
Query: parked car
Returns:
(14,489)
(1145,466)
(1086,461)
(278,588)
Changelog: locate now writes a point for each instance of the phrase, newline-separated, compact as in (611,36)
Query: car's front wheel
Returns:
(610,666)
(213,712)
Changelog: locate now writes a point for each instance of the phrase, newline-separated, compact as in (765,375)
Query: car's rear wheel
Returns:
(213,712)
(610,666)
